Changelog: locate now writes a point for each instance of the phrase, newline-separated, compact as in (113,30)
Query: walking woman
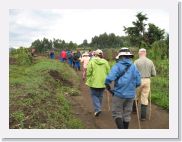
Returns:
(97,70)
(84,60)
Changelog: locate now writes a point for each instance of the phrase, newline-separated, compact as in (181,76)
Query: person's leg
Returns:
(95,99)
(144,98)
(127,109)
(100,95)
(78,65)
(117,111)
(84,73)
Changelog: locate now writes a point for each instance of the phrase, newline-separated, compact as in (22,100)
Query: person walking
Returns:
(147,70)
(63,56)
(76,59)
(97,70)
(84,60)
(51,54)
(126,79)
(70,58)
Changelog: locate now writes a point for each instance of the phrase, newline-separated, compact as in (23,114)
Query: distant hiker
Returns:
(85,59)
(70,58)
(147,70)
(126,78)
(76,59)
(97,70)
(90,53)
(32,52)
(51,54)
(63,56)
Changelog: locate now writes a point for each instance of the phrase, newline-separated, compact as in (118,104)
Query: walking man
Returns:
(127,78)
(147,70)
(97,70)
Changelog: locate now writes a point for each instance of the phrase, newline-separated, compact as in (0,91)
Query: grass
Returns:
(39,96)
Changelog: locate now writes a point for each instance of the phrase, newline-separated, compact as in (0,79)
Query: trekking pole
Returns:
(137,114)
(150,106)
(108,100)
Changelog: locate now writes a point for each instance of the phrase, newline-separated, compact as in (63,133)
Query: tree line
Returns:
(140,34)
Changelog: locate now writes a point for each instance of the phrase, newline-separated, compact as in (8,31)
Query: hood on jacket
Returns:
(125,61)
(98,60)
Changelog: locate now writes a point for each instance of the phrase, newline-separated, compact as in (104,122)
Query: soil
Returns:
(83,109)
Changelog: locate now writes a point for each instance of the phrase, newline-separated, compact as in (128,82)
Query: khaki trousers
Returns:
(143,91)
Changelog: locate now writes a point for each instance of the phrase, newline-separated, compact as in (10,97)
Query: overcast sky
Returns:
(75,25)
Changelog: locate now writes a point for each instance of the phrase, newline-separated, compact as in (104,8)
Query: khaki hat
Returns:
(124,52)
(98,52)
(85,54)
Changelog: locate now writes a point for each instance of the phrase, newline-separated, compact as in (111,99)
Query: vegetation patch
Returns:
(38,96)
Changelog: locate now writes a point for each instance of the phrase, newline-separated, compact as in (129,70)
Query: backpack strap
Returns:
(123,73)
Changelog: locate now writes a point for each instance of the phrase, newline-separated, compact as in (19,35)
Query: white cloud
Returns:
(74,25)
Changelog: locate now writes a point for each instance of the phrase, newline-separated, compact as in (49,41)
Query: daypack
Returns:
(69,55)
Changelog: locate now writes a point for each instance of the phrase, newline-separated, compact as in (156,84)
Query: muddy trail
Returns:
(83,109)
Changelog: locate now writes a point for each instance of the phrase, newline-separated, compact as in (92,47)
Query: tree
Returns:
(136,33)
(154,34)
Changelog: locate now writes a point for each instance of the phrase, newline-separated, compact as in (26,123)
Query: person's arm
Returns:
(113,74)
(153,71)
(89,69)
(138,77)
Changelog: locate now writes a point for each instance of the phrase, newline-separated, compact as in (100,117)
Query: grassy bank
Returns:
(39,95)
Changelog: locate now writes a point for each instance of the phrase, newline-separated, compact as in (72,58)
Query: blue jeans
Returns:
(77,65)
(97,95)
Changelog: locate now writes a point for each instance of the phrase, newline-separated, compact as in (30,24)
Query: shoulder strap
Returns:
(126,69)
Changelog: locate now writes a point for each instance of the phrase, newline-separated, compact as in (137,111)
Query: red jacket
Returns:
(63,54)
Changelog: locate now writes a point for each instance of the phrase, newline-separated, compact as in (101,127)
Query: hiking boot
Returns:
(143,112)
(97,113)
(119,123)
(126,125)
(134,108)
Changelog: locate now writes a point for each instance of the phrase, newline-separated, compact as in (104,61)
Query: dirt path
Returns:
(82,108)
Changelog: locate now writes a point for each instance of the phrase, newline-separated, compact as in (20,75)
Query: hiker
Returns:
(63,56)
(127,78)
(85,59)
(76,59)
(97,70)
(51,54)
(33,52)
(147,70)
(70,58)
(90,53)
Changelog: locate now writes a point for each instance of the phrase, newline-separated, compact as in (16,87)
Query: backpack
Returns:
(69,55)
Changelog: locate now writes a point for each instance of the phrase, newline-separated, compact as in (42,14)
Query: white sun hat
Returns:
(85,54)
(124,52)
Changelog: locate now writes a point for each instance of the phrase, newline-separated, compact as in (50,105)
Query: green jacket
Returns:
(97,70)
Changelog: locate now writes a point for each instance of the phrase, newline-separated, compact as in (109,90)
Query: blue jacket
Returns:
(125,86)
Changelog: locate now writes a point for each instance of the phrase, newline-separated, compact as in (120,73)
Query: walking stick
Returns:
(150,106)
(108,100)
(137,114)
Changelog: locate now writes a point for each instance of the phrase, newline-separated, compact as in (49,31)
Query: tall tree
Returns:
(154,33)
(136,33)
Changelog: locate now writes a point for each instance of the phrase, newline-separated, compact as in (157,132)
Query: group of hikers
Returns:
(72,58)
(131,82)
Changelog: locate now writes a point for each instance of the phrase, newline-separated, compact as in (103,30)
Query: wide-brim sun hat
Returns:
(124,52)
(98,52)
(85,54)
